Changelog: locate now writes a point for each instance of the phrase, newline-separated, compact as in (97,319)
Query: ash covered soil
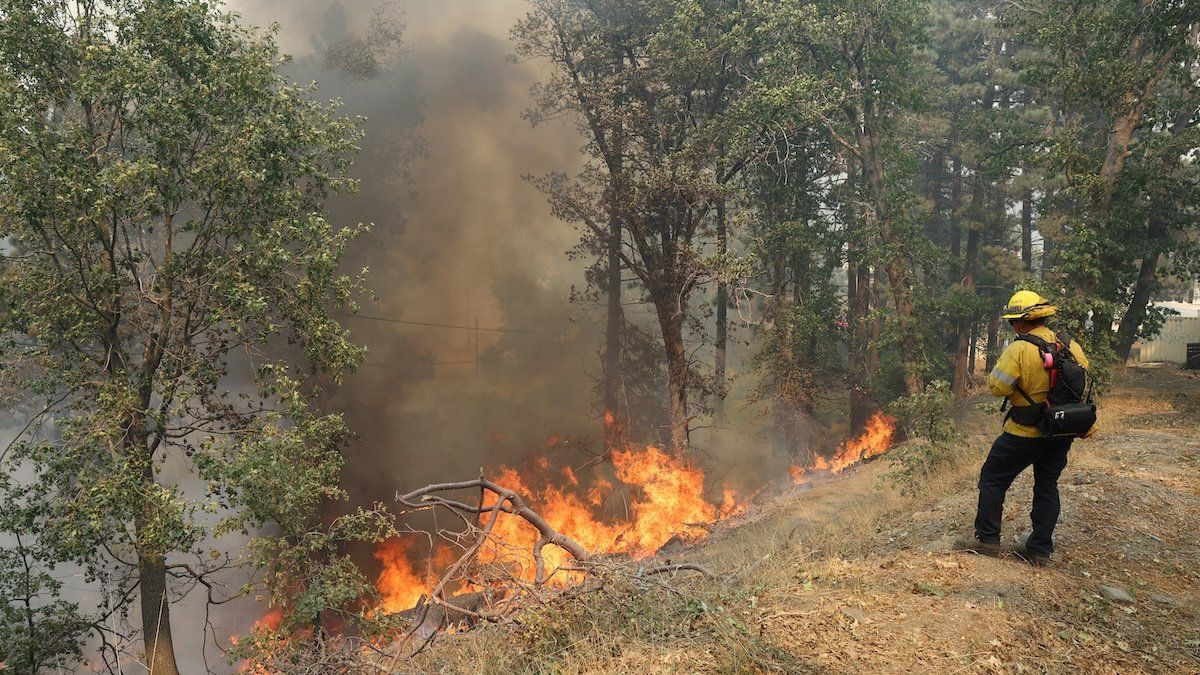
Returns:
(852,576)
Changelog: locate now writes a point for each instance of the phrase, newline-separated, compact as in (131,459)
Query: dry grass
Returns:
(852,576)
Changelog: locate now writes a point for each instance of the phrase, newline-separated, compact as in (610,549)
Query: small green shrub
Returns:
(934,439)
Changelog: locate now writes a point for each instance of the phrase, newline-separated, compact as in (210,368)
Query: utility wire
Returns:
(401,364)
(473,328)
(427,363)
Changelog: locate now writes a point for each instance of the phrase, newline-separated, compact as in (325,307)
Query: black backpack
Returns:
(1069,409)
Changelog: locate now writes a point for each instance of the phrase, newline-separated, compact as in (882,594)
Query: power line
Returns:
(427,363)
(430,324)
(401,364)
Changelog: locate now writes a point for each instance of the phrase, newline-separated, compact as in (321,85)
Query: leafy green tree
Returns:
(161,196)
(660,91)
(38,632)
(867,72)
(1109,72)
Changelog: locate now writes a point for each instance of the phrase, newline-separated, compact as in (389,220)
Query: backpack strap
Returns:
(1022,393)
(1060,348)
(1042,346)
(1036,341)
(1028,415)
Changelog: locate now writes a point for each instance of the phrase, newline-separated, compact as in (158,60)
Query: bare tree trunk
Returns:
(914,382)
(974,358)
(995,236)
(962,342)
(1127,331)
(139,450)
(861,386)
(956,191)
(722,319)
(152,577)
(156,617)
(993,342)
(936,171)
(612,330)
(1047,256)
(963,350)
(1102,330)
(1027,230)
(670,319)
(876,300)
(902,295)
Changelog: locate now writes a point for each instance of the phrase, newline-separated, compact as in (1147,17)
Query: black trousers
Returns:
(1010,456)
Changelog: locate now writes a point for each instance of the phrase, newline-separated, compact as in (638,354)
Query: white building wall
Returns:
(1171,343)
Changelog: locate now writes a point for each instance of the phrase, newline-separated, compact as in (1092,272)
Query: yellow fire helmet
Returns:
(1028,305)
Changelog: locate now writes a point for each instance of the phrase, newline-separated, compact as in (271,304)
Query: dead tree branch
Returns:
(507,501)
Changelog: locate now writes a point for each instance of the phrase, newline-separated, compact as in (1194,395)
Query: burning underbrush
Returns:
(546,523)
(518,536)
(537,524)
(874,441)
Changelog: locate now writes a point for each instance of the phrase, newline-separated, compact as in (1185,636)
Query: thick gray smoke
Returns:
(459,238)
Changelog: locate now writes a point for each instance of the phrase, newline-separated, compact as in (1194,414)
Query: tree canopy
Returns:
(165,290)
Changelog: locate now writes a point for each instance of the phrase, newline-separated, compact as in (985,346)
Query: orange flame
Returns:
(271,620)
(797,473)
(665,501)
(671,499)
(874,441)
(267,623)
(730,506)
(398,583)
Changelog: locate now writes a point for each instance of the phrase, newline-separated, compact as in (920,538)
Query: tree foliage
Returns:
(902,168)
(162,190)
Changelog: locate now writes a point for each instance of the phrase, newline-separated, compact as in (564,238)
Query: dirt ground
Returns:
(1130,521)
(852,576)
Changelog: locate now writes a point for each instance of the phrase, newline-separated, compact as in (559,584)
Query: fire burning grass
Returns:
(650,498)
(876,440)
(661,497)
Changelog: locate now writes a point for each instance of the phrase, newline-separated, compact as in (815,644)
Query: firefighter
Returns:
(1022,375)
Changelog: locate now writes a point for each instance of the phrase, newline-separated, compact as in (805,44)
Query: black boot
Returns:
(973,545)
(1035,559)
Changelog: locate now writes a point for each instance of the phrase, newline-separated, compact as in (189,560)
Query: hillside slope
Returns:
(852,576)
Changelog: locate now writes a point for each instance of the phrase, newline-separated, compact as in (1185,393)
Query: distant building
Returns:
(1170,345)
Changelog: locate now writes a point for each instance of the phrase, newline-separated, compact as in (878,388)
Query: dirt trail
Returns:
(896,599)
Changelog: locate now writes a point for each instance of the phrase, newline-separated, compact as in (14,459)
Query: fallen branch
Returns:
(508,501)
(426,623)
(505,589)
(677,567)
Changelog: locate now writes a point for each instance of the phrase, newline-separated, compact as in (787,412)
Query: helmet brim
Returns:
(1032,313)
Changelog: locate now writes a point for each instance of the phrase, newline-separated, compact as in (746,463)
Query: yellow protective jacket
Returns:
(1021,365)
